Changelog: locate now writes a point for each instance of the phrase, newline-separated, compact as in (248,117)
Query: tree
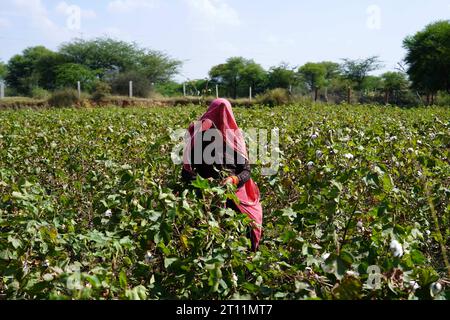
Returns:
(103,54)
(428,59)
(253,75)
(158,67)
(67,76)
(393,82)
(109,57)
(237,74)
(3,70)
(229,74)
(332,72)
(356,71)
(282,76)
(314,76)
(35,67)
(141,85)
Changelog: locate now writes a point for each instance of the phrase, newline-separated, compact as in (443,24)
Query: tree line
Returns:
(424,75)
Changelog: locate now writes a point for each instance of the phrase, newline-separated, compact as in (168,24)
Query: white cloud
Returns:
(214,12)
(36,11)
(123,6)
(65,8)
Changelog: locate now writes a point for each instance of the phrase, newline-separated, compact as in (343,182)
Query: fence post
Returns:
(131,89)
(250,94)
(217,91)
(79,89)
(2,90)
(184,89)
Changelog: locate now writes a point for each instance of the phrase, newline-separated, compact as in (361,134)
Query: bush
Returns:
(40,93)
(275,97)
(64,98)
(141,85)
(101,91)
(443,99)
(67,76)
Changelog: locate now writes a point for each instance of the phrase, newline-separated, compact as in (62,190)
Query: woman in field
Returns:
(216,149)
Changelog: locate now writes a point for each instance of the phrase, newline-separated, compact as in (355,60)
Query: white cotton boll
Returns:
(393,138)
(325,256)
(349,156)
(410,150)
(419,173)
(396,248)
(428,232)
(308,271)
(360,225)
(234,279)
(419,141)
(414,285)
(108,213)
(435,288)
(319,154)
(352,273)
(310,165)
(148,257)
(314,136)
(46,264)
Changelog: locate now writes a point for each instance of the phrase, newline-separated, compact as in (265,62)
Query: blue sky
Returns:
(203,33)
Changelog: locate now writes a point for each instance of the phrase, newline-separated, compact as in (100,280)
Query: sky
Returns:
(204,33)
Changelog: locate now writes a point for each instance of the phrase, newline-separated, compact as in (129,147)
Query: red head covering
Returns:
(220,116)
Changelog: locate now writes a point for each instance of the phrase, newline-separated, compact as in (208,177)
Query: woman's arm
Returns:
(243,171)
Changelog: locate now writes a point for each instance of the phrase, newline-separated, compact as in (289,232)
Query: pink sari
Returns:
(220,115)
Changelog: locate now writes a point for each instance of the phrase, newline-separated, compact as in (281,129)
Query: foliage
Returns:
(101,91)
(141,85)
(356,71)
(428,57)
(63,98)
(40,93)
(3,70)
(314,76)
(108,57)
(282,76)
(237,75)
(70,73)
(169,89)
(92,207)
(35,67)
(274,97)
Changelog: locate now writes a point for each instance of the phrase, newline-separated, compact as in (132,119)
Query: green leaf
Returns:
(169,261)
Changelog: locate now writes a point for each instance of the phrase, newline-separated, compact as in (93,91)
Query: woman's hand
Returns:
(231,180)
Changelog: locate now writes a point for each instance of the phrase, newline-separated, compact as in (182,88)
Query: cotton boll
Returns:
(108,213)
(319,154)
(234,279)
(414,285)
(310,165)
(435,288)
(314,136)
(396,248)
(349,156)
(148,257)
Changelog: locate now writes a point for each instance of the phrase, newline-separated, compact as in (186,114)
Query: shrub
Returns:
(275,97)
(67,76)
(443,99)
(141,85)
(64,98)
(101,91)
(40,93)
